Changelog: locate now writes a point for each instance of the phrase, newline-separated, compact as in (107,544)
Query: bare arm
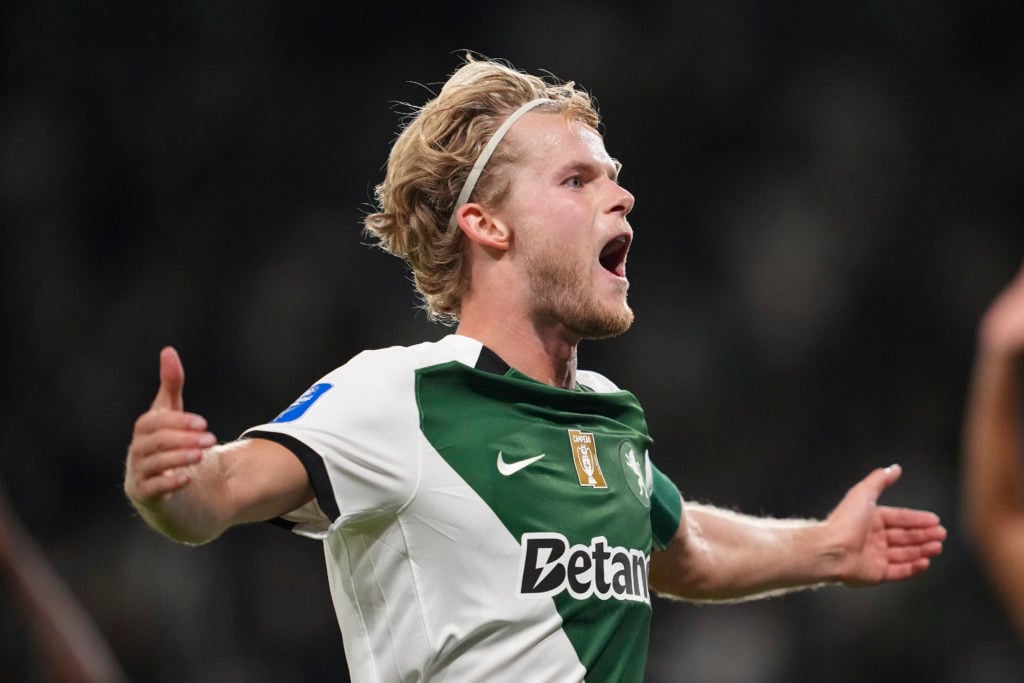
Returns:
(189,489)
(721,555)
(994,448)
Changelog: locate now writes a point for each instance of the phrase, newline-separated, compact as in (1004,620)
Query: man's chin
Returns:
(606,326)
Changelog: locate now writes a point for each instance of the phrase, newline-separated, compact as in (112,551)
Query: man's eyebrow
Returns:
(592,167)
(618,168)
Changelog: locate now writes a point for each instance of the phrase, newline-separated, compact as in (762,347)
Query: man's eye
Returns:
(574,181)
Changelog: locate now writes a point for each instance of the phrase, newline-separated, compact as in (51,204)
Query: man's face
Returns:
(568,216)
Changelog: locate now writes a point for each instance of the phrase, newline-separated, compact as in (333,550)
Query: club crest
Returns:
(634,470)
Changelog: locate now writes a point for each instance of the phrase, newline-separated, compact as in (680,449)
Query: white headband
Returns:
(485,156)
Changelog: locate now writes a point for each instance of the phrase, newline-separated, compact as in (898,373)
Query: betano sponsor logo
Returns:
(549,566)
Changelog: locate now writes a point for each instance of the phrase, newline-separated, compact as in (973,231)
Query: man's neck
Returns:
(545,356)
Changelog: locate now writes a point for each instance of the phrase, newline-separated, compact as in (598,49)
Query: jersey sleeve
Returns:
(666,506)
(356,432)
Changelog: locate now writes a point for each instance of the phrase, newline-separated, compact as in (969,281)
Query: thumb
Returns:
(172,381)
(882,478)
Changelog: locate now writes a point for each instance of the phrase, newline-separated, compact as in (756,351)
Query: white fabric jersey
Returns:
(477,525)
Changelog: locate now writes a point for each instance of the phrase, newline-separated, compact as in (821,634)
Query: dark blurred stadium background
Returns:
(827,198)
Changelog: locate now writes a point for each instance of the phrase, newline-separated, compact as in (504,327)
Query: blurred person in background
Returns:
(488,510)
(69,646)
(994,448)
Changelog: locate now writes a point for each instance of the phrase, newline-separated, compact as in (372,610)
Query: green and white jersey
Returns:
(479,525)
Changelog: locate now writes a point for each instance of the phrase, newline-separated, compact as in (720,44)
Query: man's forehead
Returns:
(551,136)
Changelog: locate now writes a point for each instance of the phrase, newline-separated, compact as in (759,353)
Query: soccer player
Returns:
(994,449)
(489,511)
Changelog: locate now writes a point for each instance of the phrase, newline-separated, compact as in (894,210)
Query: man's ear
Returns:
(484,227)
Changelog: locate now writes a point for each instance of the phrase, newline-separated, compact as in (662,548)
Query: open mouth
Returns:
(613,256)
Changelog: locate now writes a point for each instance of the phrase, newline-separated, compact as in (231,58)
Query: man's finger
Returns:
(172,381)
(154,487)
(155,420)
(902,536)
(146,446)
(882,478)
(159,463)
(908,517)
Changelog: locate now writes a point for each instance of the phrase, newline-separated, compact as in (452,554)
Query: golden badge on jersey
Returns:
(584,455)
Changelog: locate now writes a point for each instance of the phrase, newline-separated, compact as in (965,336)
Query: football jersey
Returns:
(479,525)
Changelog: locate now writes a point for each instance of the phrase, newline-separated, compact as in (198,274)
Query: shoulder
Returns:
(595,381)
(378,365)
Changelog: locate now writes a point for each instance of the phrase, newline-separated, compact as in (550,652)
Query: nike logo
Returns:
(510,468)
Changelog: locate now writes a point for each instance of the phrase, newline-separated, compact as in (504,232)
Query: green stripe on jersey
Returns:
(564,472)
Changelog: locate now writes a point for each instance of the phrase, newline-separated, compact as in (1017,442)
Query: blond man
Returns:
(489,511)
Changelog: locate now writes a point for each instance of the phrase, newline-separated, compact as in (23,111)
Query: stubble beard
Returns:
(564,291)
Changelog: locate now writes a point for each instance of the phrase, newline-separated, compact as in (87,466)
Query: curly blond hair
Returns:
(431,159)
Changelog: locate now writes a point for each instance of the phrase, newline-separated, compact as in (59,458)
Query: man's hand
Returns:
(876,543)
(166,441)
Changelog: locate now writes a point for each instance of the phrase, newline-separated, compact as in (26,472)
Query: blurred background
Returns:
(827,199)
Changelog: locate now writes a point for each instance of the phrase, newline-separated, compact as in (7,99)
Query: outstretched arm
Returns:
(189,489)
(994,448)
(722,555)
